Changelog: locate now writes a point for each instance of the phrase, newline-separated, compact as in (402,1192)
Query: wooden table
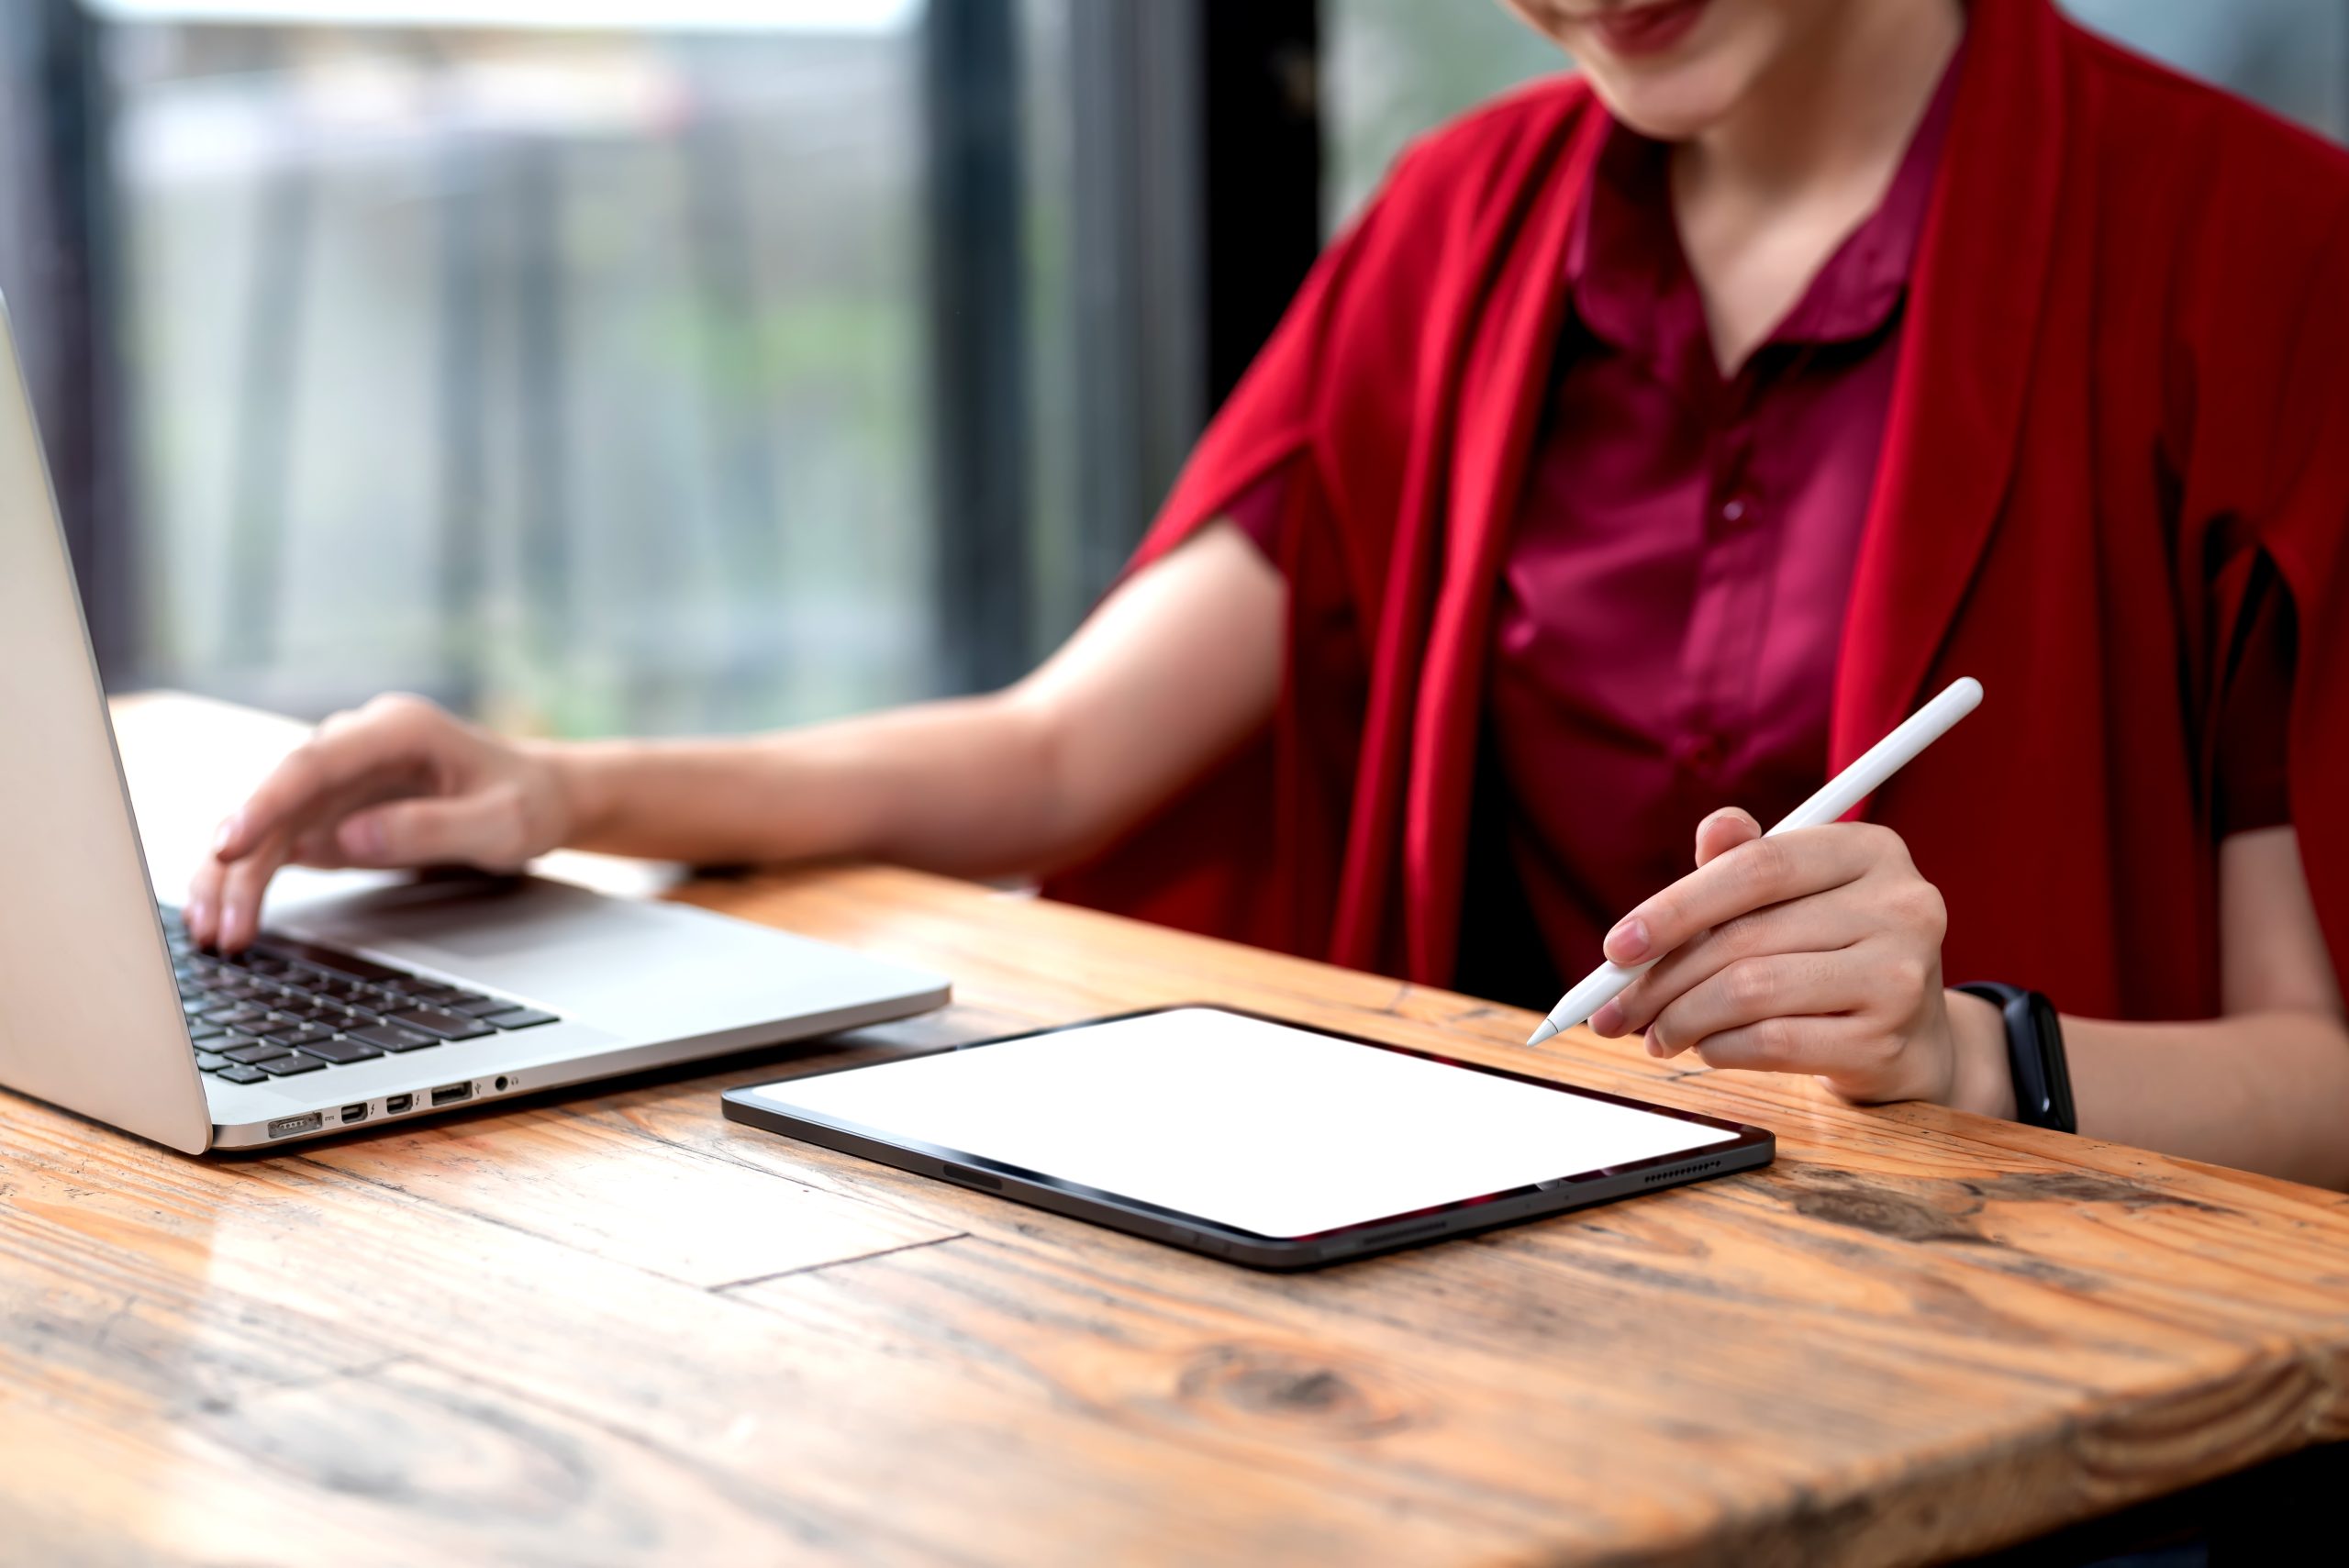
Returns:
(606,1327)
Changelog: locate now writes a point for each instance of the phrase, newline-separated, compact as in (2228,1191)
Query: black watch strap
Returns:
(2042,1074)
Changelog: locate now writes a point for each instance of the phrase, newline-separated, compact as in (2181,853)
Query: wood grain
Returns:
(610,1327)
(673,1211)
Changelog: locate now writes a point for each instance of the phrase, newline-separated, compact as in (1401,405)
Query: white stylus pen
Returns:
(1854,784)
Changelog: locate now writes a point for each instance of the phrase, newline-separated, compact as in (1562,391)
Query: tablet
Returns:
(1246,1137)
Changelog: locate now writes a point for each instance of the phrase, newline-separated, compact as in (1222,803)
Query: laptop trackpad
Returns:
(573,951)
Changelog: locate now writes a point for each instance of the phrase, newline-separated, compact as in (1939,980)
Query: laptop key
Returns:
(521,1018)
(303,1035)
(255,1054)
(237,1073)
(390,1037)
(211,1062)
(204,1029)
(286,1066)
(447,1025)
(480,1006)
(341,1052)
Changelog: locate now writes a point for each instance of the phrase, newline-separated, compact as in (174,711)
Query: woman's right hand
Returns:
(397,782)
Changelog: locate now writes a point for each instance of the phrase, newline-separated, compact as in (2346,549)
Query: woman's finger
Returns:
(480,830)
(1751,877)
(201,912)
(1823,1045)
(316,846)
(240,893)
(1724,831)
(1804,925)
(390,735)
(321,828)
(1783,986)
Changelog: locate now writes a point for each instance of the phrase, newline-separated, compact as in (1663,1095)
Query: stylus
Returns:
(1854,784)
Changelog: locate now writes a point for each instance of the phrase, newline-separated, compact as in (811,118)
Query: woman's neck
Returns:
(1838,107)
(1762,199)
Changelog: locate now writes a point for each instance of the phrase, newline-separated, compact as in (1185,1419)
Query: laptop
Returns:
(356,1007)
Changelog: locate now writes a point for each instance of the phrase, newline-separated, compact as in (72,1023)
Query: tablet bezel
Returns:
(1749,1149)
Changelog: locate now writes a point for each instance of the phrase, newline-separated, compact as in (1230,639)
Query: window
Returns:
(574,376)
(1394,68)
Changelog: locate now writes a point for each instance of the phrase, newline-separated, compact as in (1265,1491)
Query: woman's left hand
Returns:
(1814,951)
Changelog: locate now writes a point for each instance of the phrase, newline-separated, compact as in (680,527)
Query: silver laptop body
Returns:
(95,994)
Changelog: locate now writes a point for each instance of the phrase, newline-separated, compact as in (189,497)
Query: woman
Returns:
(1654,442)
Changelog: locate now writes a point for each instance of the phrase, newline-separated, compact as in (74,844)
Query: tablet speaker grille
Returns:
(1673,1172)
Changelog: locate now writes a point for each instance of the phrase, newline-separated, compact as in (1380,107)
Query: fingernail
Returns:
(195,916)
(1628,943)
(229,828)
(362,838)
(1655,1048)
(1608,1020)
(231,917)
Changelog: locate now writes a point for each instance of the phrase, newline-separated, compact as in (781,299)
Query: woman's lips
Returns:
(1647,29)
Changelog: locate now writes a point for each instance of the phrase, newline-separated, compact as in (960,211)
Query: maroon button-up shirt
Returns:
(1673,600)
(1671,603)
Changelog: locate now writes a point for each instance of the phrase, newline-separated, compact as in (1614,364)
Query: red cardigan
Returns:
(2126,374)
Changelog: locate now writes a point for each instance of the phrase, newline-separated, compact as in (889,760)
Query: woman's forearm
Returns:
(2266,1091)
(1179,665)
(962,786)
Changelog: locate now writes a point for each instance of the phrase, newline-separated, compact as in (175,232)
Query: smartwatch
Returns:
(2042,1077)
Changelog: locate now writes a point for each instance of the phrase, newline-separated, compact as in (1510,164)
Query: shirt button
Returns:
(1733,511)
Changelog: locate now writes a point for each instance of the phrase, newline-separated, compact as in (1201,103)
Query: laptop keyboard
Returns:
(283,1008)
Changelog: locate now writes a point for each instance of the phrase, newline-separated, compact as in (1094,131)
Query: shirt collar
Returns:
(1629,280)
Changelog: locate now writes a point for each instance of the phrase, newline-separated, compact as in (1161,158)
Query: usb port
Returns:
(450,1094)
(354,1113)
(394,1104)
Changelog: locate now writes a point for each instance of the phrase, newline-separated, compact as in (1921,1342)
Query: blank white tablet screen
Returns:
(1253,1125)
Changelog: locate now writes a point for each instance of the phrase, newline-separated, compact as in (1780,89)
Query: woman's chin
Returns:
(1671,109)
(1683,93)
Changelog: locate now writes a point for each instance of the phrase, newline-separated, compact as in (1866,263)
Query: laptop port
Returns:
(394,1105)
(451,1093)
(354,1113)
